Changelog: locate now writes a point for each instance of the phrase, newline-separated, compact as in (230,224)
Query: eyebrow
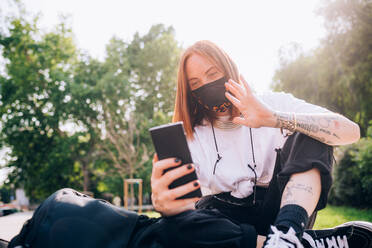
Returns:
(209,69)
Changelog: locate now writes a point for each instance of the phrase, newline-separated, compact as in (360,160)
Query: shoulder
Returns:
(273,95)
(274,99)
(286,102)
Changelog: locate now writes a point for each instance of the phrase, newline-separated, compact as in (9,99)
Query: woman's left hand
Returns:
(254,113)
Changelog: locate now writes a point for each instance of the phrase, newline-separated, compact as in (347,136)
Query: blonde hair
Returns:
(186,108)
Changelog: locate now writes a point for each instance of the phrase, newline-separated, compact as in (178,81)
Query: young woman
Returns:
(251,174)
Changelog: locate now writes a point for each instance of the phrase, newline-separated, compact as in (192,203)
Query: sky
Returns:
(251,32)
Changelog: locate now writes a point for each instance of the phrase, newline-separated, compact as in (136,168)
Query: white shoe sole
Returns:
(362,224)
(353,224)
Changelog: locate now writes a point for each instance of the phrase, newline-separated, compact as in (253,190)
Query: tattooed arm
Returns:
(303,189)
(329,128)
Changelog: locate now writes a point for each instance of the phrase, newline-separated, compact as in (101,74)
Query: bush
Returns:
(352,176)
(5,193)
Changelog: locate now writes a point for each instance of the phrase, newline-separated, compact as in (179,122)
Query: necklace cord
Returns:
(253,169)
(254,160)
(249,166)
(218,154)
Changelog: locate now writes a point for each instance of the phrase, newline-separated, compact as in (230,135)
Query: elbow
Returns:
(351,134)
(357,131)
(355,137)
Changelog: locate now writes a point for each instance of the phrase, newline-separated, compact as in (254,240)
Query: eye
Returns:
(194,83)
(212,73)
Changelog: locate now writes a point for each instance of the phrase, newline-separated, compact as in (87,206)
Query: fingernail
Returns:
(177,160)
(189,166)
(196,184)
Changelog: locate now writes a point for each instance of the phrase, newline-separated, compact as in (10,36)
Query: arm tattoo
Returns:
(325,131)
(308,127)
(288,196)
(316,126)
(303,187)
(282,119)
(336,136)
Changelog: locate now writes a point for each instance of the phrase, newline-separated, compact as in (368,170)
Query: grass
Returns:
(152,214)
(334,215)
(329,217)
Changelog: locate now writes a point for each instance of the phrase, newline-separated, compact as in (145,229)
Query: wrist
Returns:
(287,121)
(271,120)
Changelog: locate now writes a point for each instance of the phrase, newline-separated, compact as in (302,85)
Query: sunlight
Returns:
(252,32)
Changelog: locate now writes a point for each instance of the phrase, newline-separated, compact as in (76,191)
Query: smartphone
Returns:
(170,141)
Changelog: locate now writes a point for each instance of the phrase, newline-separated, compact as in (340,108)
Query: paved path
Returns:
(11,225)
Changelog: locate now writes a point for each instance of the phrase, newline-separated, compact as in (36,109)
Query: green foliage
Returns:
(153,58)
(332,216)
(5,193)
(56,105)
(352,175)
(363,158)
(33,104)
(112,95)
(337,74)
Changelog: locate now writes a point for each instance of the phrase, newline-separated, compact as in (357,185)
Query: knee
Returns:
(65,191)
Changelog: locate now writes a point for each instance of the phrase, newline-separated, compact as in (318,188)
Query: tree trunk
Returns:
(85,175)
(131,190)
(125,193)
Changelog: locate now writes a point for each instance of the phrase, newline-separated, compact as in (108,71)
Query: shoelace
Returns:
(331,241)
(280,240)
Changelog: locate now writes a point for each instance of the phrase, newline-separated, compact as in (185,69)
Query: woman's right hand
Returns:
(163,198)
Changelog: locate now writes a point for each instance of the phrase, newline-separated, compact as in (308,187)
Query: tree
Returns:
(337,74)
(112,103)
(353,182)
(64,114)
(153,60)
(34,107)
(123,145)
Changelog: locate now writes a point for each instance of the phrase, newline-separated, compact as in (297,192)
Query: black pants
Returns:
(70,219)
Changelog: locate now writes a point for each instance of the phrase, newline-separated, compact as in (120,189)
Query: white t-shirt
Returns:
(234,145)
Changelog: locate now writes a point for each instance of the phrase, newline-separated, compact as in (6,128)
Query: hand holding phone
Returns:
(166,201)
(170,142)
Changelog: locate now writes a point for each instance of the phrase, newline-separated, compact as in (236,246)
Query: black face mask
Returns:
(212,96)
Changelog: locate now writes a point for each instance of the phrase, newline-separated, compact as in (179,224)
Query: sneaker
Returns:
(354,234)
(277,239)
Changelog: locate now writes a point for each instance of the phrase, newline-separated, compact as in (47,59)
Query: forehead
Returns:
(197,65)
